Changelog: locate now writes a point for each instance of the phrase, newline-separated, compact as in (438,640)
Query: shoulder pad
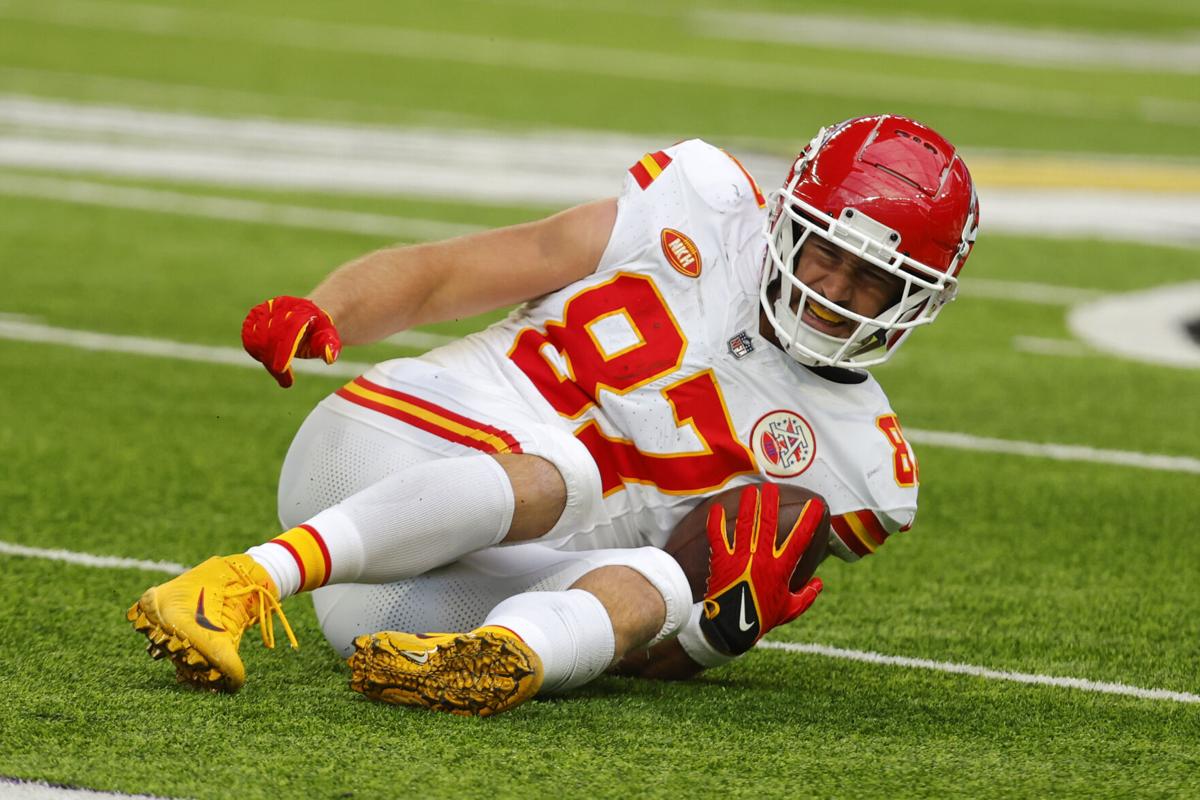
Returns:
(716,177)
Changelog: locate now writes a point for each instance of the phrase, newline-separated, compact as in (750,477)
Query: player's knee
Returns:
(646,593)
(556,485)
(539,495)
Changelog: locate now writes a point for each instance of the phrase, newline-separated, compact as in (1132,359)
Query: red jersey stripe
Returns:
(442,423)
(848,536)
(640,175)
(445,413)
(649,167)
(433,408)
(419,422)
(872,525)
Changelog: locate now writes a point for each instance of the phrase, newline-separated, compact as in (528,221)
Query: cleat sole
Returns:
(191,667)
(476,674)
(193,659)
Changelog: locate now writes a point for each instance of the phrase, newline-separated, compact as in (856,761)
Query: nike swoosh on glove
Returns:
(748,575)
(282,328)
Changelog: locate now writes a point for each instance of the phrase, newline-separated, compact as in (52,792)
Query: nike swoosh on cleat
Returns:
(742,622)
(416,657)
(202,620)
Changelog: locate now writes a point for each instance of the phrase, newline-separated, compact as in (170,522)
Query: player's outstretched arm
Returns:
(396,288)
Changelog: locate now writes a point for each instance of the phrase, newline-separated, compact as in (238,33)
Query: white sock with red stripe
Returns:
(570,631)
(404,525)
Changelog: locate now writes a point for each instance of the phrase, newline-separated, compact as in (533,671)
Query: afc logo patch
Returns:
(681,252)
(784,443)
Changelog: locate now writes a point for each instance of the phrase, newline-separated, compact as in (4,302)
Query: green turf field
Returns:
(1017,563)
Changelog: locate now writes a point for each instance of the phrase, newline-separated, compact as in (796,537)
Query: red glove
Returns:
(284,328)
(748,575)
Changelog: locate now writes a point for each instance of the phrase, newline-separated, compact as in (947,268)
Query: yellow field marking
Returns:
(1047,172)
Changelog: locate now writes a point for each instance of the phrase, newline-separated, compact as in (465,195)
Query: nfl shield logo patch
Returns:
(741,346)
(783,443)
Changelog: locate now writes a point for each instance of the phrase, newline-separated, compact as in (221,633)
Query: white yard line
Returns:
(19,330)
(173,94)
(90,560)
(228,208)
(1001,44)
(1056,452)
(1161,218)
(502,168)
(1082,684)
(1040,293)
(14,789)
(1052,347)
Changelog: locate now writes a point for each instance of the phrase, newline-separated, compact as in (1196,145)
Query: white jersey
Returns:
(655,363)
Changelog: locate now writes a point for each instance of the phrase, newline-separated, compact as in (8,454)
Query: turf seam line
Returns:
(982,672)
(116,562)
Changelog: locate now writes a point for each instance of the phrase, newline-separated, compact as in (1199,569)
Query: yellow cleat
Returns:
(197,620)
(480,673)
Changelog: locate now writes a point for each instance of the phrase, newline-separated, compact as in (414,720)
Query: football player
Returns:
(515,487)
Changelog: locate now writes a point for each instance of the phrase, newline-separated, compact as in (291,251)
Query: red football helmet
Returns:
(890,191)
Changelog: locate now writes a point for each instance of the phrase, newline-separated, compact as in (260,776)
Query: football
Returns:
(689,542)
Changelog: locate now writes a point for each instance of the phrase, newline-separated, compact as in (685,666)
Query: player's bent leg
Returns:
(198,619)
(404,525)
(379,506)
(635,609)
(541,641)
(539,495)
